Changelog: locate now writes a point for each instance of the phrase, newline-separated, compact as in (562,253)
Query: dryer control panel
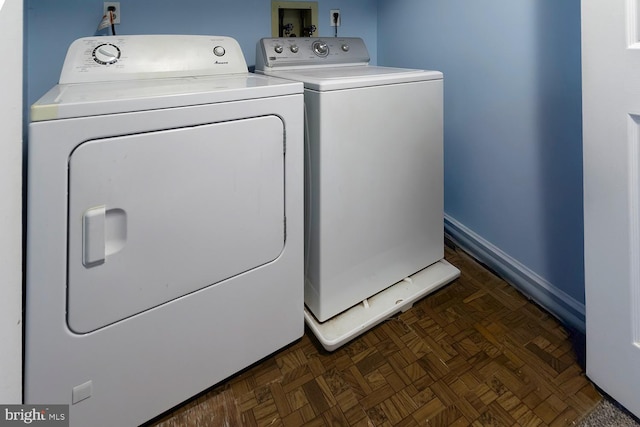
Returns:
(282,53)
(136,57)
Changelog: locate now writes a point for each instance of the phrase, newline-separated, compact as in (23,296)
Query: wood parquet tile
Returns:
(475,353)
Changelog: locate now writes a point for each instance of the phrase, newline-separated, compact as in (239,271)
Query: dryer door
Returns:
(159,215)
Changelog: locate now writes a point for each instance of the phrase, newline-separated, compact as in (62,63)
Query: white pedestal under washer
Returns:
(374,193)
(164,225)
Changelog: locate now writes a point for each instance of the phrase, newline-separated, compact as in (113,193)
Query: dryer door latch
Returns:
(93,233)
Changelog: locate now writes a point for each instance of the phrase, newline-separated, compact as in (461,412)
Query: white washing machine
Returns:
(374,191)
(165,225)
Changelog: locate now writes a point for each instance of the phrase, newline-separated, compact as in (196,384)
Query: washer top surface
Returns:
(116,74)
(337,78)
(329,64)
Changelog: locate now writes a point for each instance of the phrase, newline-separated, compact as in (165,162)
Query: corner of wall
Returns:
(562,306)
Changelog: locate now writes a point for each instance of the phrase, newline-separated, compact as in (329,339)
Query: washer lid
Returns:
(336,78)
(92,99)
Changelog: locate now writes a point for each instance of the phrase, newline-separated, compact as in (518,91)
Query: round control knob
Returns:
(278,49)
(345,47)
(294,48)
(219,51)
(106,54)
(320,48)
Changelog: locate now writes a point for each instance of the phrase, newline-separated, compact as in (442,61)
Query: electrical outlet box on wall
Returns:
(335,17)
(116,10)
(294,18)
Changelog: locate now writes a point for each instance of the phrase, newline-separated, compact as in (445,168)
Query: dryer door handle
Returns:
(93,236)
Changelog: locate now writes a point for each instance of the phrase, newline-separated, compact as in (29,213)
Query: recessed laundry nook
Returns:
(362,212)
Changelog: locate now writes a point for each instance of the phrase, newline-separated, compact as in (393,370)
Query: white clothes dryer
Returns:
(374,192)
(164,225)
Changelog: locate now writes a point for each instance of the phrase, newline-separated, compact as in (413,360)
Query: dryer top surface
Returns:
(119,74)
(91,99)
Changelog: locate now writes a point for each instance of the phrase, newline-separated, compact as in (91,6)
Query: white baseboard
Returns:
(568,310)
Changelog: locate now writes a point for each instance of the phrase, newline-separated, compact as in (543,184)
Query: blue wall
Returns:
(53,25)
(513,130)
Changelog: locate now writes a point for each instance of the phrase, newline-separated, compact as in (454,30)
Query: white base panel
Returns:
(399,297)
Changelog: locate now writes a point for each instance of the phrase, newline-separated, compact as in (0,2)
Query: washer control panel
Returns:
(303,51)
(110,58)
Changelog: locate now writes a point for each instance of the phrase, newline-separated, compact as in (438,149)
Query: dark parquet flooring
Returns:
(476,353)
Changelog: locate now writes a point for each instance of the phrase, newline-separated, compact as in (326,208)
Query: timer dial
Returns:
(320,48)
(106,54)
